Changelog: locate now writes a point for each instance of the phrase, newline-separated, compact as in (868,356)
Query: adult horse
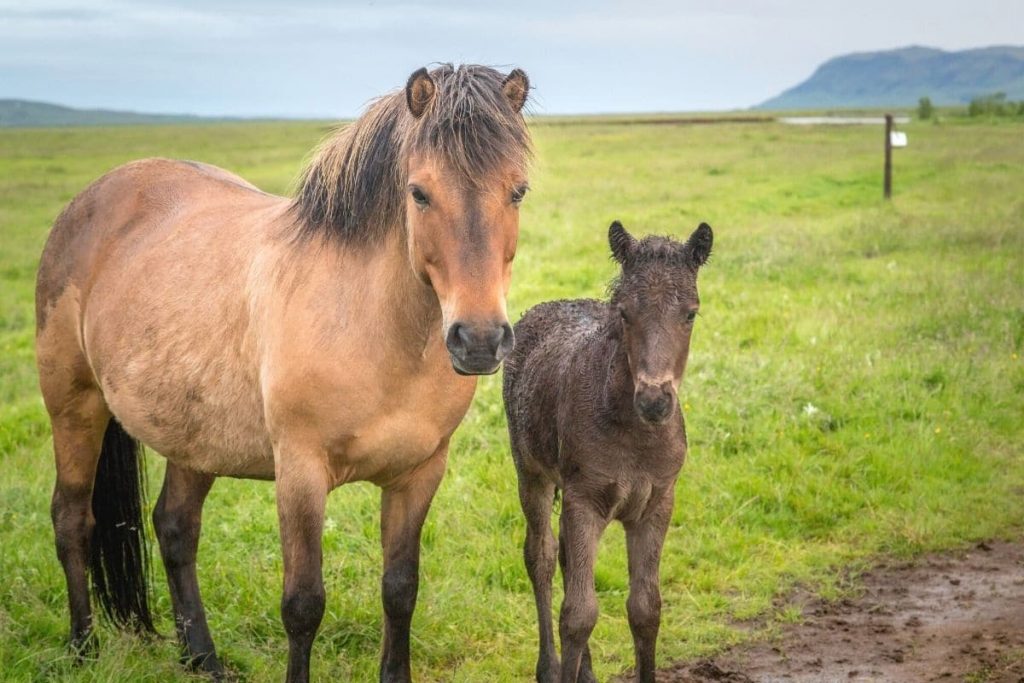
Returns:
(315,341)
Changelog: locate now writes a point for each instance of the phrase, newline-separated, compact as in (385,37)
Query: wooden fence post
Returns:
(888,156)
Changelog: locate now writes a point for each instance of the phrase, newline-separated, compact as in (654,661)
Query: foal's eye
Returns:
(691,316)
(419,197)
(623,314)
(518,194)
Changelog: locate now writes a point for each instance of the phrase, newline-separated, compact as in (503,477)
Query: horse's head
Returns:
(656,301)
(442,167)
(466,177)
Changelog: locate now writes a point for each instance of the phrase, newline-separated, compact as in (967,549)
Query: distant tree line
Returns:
(995,104)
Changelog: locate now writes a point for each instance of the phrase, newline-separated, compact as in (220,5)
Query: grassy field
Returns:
(856,388)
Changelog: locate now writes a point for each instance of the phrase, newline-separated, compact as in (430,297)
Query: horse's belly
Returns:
(209,424)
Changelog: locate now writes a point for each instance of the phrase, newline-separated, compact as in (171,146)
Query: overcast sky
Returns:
(323,58)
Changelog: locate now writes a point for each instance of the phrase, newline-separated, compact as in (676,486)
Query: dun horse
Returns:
(590,394)
(315,341)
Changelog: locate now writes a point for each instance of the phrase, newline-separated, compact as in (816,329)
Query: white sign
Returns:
(898,138)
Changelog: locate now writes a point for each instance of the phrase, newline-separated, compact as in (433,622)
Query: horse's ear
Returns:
(419,90)
(699,245)
(622,243)
(516,88)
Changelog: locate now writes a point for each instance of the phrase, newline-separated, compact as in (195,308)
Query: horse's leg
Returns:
(536,495)
(404,506)
(644,541)
(302,485)
(78,430)
(579,532)
(177,518)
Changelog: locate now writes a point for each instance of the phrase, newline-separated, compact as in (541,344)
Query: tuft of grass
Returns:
(855,388)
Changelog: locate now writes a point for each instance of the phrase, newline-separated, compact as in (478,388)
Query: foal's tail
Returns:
(119,561)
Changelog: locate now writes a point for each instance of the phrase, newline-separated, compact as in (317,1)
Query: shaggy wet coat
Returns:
(590,395)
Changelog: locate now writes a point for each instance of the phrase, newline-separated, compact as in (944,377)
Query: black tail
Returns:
(119,560)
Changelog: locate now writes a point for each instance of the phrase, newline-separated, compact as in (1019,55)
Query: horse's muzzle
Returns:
(653,403)
(478,349)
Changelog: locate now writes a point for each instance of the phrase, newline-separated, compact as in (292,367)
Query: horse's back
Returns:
(558,324)
(142,286)
(115,209)
(549,338)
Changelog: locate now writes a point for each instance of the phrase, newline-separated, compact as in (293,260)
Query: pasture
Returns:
(855,388)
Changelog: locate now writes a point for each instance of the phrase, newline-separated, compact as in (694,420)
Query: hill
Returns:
(900,77)
(27,113)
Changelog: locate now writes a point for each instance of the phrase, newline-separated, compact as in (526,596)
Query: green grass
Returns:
(856,388)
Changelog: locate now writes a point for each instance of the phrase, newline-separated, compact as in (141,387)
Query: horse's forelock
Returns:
(353,189)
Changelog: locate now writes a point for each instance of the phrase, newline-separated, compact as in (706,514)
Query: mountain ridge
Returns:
(15,113)
(902,75)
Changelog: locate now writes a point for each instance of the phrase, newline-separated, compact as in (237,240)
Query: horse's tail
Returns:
(119,561)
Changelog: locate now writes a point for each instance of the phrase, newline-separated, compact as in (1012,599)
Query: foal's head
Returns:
(443,164)
(655,299)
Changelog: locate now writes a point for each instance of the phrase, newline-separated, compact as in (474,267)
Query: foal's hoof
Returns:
(586,674)
(548,671)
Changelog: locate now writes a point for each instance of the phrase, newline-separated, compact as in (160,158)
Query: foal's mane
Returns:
(353,190)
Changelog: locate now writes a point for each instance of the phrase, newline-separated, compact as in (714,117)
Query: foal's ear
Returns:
(516,88)
(419,90)
(622,243)
(699,245)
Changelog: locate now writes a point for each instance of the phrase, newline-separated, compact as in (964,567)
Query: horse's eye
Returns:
(518,194)
(623,314)
(691,316)
(419,197)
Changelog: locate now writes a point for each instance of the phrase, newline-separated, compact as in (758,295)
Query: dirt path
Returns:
(957,617)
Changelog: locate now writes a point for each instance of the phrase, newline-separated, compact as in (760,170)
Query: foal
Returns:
(590,394)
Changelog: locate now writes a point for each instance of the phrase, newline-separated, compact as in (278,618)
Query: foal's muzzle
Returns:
(654,402)
(478,349)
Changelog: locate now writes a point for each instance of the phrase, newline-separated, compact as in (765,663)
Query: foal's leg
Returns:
(536,495)
(404,506)
(302,485)
(644,541)
(580,530)
(78,430)
(177,519)
(586,674)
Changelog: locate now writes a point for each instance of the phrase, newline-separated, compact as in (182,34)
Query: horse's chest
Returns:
(379,439)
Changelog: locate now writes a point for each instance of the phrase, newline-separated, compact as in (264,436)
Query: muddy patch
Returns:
(952,617)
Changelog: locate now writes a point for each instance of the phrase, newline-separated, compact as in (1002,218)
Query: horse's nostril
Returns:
(465,336)
(455,339)
(506,341)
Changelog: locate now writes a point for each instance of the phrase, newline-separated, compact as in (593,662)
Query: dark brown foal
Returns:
(590,394)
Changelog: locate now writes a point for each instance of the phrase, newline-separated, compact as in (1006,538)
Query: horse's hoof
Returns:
(208,663)
(84,647)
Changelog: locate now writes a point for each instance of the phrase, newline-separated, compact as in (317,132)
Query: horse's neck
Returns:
(369,291)
(408,304)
